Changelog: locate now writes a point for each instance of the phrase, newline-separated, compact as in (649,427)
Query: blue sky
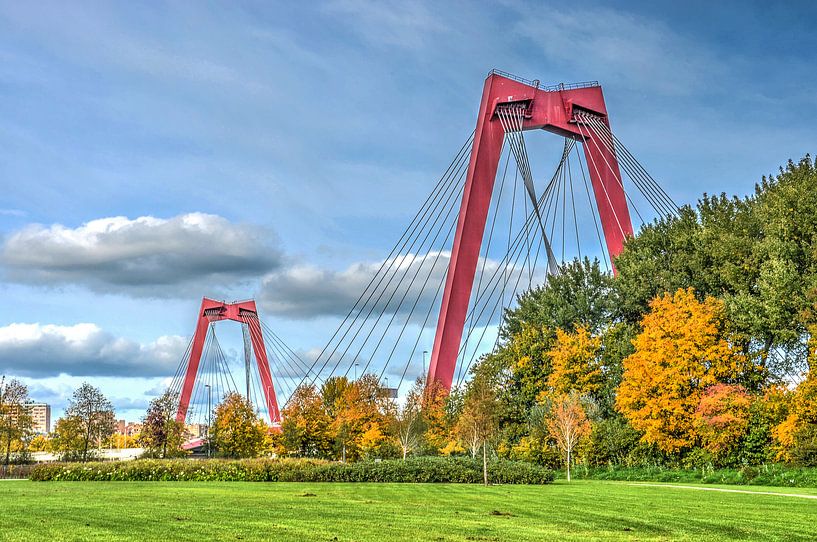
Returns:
(153,153)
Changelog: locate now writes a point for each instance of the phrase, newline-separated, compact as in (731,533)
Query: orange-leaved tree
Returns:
(567,423)
(682,349)
(722,418)
(576,363)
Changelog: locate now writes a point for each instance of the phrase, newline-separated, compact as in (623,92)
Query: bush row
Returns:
(763,475)
(422,469)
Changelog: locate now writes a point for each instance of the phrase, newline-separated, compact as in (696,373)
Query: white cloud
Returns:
(84,349)
(144,256)
(307,291)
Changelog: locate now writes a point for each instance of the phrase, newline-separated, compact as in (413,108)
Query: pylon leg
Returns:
(264,370)
(202,325)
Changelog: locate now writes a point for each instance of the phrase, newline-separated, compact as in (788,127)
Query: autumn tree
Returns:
(360,418)
(797,433)
(477,423)
(15,418)
(681,350)
(408,420)
(237,430)
(436,421)
(68,439)
(305,424)
(722,419)
(567,423)
(576,362)
(161,435)
(89,419)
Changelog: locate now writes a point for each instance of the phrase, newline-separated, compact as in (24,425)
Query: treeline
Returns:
(701,351)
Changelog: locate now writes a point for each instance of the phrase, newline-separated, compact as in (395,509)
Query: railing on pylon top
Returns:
(548,88)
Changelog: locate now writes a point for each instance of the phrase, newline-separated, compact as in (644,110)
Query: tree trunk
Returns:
(404,452)
(485,462)
(8,449)
(568,464)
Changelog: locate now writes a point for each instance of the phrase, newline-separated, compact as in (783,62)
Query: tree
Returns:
(797,433)
(15,419)
(581,294)
(756,254)
(305,426)
(576,363)
(237,430)
(408,420)
(722,419)
(436,420)
(67,439)
(88,418)
(161,435)
(478,421)
(567,424)
(361,408)
(681,350)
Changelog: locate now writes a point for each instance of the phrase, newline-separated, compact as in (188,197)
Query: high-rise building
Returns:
(41,417)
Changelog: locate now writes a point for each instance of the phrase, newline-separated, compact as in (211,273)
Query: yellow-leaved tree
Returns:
(576,364)
(237,430)
(796,435)
(681,350)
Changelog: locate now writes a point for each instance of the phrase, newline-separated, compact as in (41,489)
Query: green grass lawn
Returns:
(583,510)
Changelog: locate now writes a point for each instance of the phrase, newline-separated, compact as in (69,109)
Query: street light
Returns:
(356,364)
(209,415)
(425,353)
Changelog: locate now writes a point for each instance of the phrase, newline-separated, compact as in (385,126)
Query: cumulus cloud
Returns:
(145,256)
(37,350)
(307,291)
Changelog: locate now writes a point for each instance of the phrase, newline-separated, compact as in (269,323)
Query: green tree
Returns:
(581,294)
(478,421)
(15,418)
(91,415)
(161,435)
(408,420)
(237,430)
(305,424)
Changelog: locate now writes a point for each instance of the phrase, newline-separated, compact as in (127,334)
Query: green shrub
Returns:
(420,469)
(763,475)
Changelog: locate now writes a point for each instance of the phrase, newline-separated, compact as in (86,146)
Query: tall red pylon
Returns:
(554,110)
(244,312)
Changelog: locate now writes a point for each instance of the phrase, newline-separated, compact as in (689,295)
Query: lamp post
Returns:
(425,353)
(209,416)
(356,364)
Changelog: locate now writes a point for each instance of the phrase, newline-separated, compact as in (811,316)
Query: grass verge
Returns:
(582,510)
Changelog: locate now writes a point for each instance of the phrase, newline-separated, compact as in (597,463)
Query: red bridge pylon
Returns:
(244,312)
(555,109)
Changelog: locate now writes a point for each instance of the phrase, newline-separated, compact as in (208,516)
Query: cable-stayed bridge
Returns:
(489,229)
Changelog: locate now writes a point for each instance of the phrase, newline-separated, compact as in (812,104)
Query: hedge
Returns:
(763,475)
(421,469)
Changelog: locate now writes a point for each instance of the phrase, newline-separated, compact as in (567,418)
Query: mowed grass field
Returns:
(581,510)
